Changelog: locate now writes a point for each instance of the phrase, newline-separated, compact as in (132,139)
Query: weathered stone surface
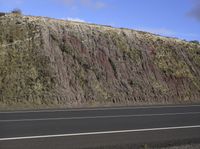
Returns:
(48,61)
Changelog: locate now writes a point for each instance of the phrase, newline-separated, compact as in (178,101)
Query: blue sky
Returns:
(175,18)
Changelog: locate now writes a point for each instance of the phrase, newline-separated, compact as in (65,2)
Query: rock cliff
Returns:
(55,62)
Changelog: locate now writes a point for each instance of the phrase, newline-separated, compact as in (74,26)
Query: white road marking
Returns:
(98,117)
(98,133)
(101,109)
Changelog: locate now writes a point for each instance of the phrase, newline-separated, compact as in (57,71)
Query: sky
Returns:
(172,18)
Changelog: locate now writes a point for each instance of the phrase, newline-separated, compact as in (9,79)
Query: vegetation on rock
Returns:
(48,61)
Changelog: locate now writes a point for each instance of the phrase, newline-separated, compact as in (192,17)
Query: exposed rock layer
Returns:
(48,61)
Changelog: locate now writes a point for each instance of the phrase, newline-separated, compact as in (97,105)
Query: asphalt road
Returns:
(81,128)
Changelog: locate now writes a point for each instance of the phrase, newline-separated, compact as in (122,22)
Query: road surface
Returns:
(81,128)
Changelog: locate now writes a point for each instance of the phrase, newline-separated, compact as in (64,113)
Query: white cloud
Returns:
(12,2)
(160,31)
(169,33)
(75,19)
(100,5)
(19,1)
(68,2)
(94,4)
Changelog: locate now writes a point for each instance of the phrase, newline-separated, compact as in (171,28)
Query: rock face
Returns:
(48,61)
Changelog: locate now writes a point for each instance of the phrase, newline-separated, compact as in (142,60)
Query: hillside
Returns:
(53,62)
